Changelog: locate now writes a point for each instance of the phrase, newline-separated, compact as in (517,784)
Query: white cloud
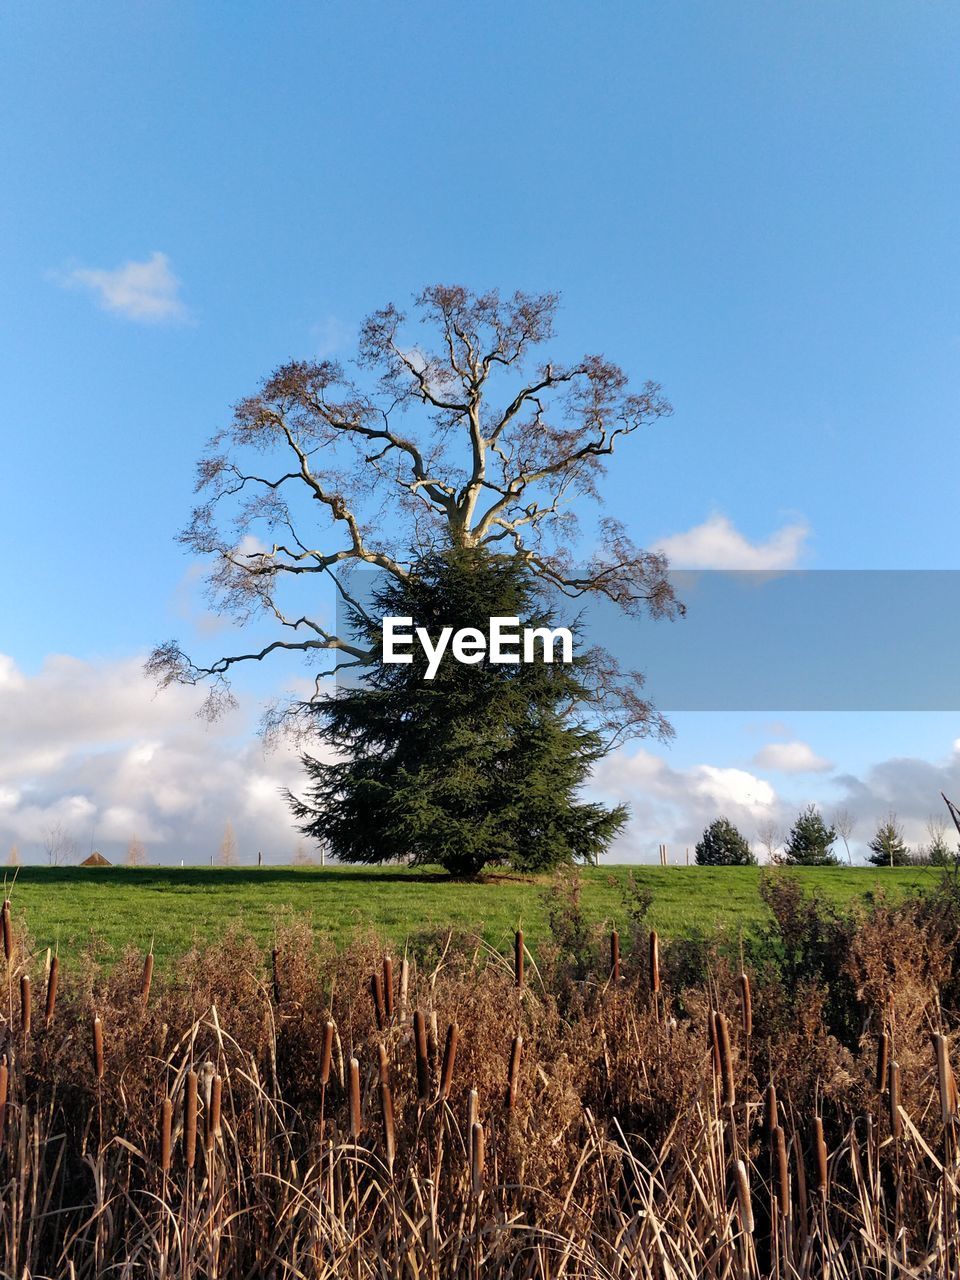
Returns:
(718,544)
(791,757)
(674,805)
(147,292)
(93,747)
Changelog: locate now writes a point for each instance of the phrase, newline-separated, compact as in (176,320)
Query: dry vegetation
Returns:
(616,1109)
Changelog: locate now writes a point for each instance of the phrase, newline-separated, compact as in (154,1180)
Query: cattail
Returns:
(714,1041)
(7,930)
(53,981)
(388,985)
(820,1152)
(476,1163)
(615,956)
(449,1057)
(213,1112)
(782,1169)
(26,1005)
(4,1090)
(518,958)
(433,1040)
(420,1049)
(384,1064)
(743,1198)
(893,1091)
(386,1111)
(883,1055)
(355,1125)
(404,984)
(326,1054)
(274,957)
(726,1061)
(770,1109)
(166,1131)
(746,1005)
(98,1046)
(943,1073)
(146,979)
(376,991)
(190,1120)
(654,962)
(514,1072)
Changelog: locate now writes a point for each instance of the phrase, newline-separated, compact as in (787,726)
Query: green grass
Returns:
(179,906)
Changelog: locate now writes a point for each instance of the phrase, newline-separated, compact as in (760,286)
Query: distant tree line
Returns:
(812,839)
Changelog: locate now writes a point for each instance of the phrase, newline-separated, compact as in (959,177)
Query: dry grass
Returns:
(792,1113)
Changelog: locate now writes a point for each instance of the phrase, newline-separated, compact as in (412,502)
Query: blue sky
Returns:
(754,204)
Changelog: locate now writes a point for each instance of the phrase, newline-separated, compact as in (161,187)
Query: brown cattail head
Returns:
(4,1091)
(771,1114)
(615,956)
(404,984)
(146,979)
(53,981)
(420,1049)
(7,930)
(476,1163)
(746,1005)
(449,1057)
(883,1055)
(782,1170)
(376,991)
(893,1098)
(326,1054)
(743,1197)
(944,1074)
(654,962)
(386,1112)
(275,969)
(166,1132)
(190,1120)
(820,1153)
(26,1005)
(213,1112)
(384,1062)
(713,1038)
(388,985)
(726,1061)
(356,1127)
(98,1065)
(518,958)
(513,1075)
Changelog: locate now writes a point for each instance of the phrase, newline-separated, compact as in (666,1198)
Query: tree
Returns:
(771,838)
(136,855)
(477,766)
(722,845)
(227,853)
(448,437)
(301,856)
(810,843)
(13,857)
(887,848)
(60,846)
(938,851)
(843,823)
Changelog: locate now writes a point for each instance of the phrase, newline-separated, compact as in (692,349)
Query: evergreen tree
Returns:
(722,845)
(480,765)
(887,848)
(810,843)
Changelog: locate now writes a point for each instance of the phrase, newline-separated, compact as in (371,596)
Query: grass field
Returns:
(178,906)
